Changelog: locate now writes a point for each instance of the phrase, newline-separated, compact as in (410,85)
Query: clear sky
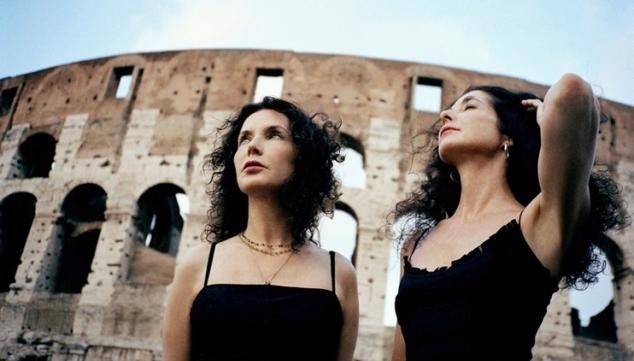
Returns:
(537,40)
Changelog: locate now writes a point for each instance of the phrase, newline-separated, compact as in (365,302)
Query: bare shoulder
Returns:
(345,276)
(345,272)
(194,256)
(189,267)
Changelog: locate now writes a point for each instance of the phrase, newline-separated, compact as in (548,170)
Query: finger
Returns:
(531,102)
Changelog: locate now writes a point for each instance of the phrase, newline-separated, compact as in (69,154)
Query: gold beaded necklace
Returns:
(253,247)
(269,249)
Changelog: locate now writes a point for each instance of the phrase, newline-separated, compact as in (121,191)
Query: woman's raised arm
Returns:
(568,120)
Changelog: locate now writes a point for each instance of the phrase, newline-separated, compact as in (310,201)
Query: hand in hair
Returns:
(536,105)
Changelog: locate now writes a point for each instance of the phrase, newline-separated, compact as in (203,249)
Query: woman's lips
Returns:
(445,130)
(252,164)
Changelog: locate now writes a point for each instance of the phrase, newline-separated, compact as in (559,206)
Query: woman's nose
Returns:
(446,116)
(254,146)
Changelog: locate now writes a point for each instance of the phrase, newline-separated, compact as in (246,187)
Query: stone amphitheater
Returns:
(96,155)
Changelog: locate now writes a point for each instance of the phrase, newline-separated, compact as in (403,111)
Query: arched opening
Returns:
(35,156)
(160,217)
(592,314)
(351,171)
(83,214)
(341,232)
(161,213)
(16,216)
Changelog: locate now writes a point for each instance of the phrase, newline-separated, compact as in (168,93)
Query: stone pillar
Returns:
(554,337)
(382,159)
(109,267)
(198,183)
(33,274)
(624,283)
(68,144)
(9,166)
(137,143)
(624,310)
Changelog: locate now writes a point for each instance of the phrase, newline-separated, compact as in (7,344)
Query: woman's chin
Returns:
(255,188)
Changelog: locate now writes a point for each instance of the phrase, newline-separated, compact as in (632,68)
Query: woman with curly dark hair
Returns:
(261,288)
(510,206)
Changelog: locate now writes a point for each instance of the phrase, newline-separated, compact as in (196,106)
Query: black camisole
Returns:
(487,305)
(249,322)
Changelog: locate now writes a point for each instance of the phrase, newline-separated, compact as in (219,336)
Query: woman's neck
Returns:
(484,190)
(267,222)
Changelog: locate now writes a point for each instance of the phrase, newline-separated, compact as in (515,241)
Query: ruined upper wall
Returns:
(183,85)
(354,89)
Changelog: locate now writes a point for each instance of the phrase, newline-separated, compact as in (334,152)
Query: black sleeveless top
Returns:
(487,305)
(248,322)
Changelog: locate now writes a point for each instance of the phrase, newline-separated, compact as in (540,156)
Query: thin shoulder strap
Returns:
(519,219)
(332,269)
(209,259)
(416,244)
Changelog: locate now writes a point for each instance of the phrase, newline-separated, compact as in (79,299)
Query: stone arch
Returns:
(35,156)
(78,229)
(350,70)
(352,170)
(602,323)
(59,88)
(17,212)
(341,233)
(158,225)
(356,79)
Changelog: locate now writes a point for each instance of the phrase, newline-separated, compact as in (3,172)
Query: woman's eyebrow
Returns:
(267,129)
(464,100)
(244,132)
(277,127)
(468,98)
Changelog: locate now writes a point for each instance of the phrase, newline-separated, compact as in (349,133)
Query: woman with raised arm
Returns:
(260,288)
(510,206)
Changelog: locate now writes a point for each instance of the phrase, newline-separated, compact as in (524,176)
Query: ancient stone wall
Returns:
(94,263)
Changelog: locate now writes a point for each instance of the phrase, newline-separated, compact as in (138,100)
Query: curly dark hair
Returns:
(438,195)
(311,189)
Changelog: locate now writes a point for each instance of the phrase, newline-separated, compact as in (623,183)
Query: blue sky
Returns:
(537,40)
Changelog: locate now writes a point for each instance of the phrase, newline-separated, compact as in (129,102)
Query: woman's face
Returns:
(469,129)
(265,154)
